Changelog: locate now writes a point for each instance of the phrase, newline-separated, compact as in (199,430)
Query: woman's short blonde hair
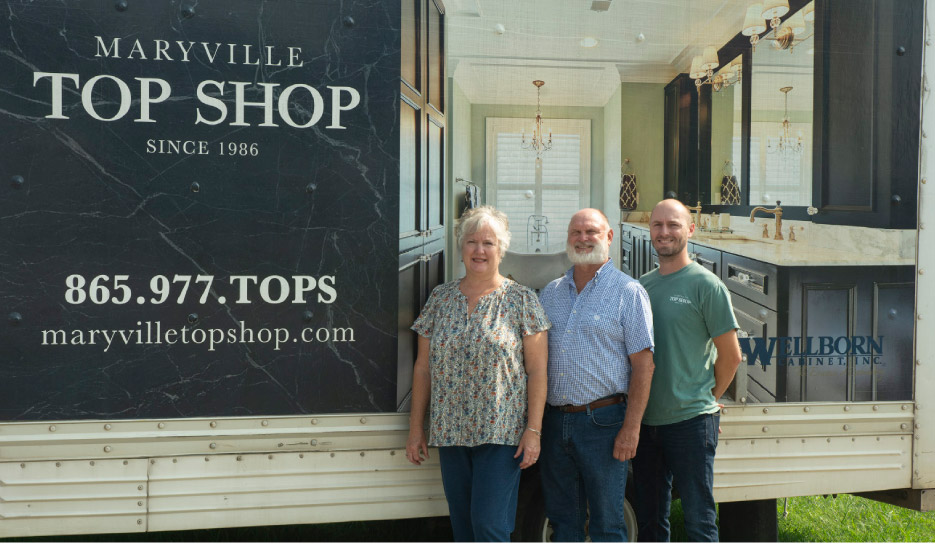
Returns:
(475,218)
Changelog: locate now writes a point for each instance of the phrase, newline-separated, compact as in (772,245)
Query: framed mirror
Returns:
(727,133)
(781,114)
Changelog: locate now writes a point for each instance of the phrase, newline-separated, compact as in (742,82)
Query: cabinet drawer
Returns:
(764,383)
(753,279)
(708,258)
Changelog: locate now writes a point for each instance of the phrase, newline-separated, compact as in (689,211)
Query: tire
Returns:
(533,525)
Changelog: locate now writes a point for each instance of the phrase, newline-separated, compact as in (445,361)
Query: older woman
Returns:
(481,365)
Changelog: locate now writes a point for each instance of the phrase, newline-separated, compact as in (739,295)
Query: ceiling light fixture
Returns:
(785,145)
(537,143)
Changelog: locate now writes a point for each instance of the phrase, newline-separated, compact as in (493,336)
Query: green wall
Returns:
(641,138)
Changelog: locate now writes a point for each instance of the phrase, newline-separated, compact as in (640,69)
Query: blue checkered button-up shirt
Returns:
(593,333)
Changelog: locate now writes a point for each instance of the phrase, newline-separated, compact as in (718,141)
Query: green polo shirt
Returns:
(690,307)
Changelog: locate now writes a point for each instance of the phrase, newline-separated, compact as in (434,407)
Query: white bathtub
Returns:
(534,270)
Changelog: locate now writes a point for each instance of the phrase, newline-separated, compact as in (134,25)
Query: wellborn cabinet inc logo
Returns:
(812,351)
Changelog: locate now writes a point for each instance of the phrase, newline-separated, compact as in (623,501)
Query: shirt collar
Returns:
(570,278)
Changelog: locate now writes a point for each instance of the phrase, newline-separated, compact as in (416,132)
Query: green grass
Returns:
(839,519)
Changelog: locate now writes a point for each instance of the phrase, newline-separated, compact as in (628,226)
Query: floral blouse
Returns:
(478,378)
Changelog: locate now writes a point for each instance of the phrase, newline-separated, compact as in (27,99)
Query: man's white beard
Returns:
(596,256)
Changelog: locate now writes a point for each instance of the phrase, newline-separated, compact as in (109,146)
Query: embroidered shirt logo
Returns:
(679,299)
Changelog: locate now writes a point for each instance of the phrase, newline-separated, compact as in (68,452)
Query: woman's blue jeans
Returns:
(683,451)
(481,486)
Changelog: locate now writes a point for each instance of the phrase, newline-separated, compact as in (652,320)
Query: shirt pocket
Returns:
(603,326)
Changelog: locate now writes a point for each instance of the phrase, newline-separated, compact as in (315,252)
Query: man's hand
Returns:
(626,442)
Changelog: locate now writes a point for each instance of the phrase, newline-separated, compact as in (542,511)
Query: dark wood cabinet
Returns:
(422,173)
(680,153)
(828,333)
(868,84)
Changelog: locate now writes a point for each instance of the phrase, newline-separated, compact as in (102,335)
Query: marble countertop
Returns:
(789,254)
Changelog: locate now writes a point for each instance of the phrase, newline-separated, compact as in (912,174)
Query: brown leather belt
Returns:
(604,402)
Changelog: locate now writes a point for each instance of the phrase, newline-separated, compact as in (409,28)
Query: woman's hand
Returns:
(529,448)
(417,450)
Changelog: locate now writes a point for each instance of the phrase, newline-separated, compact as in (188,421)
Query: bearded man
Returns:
(600,370)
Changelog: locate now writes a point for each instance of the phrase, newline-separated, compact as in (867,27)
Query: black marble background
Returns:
(94,202)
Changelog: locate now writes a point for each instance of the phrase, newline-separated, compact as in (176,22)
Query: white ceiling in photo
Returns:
(496,48)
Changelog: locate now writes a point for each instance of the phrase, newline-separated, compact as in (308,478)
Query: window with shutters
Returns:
(538,199)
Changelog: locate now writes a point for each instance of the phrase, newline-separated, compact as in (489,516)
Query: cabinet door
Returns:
(410,172)
(410,44)
(436,54)
(892,326)
(868,70)
(435,187)
(410,304)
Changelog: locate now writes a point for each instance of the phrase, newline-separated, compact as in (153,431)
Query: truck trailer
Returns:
(219,220)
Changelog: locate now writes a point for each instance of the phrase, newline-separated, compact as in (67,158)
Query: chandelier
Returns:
(772,10)
(538,143)
(786,144)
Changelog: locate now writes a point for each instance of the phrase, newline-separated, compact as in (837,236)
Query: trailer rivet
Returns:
(348,21)
(828,440)
(362,454)
(140,487)
(301,456)
(846,408)
(918,426)
(161,425)
(723,411)
(765,429)
(139,521)
(921,271)
(92,462)
(126,463)
(332,455)
(876,407)
(152,462)
(279,445)
(853,439)
(188,11)
(264,423)
(927,42)
(207,459)
(777,441)
(107,427)
(108,448)
(314,421)
(175,460)
(846,427)
(193,317)
(22,465)
(17,181)
(765,411)
(15,318)
(240,458)
(918,362)
(743,399)
(803,441)
(270,457)
(806,409)
(314,442)
(58,464)
(878,439)
(904,426)
(903,407)
(392,453)
(363,420)
(140,503)
(752,442)
(213,446)
(213,424)
(52,428)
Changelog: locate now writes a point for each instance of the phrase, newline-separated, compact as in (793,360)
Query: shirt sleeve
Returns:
(637,320)
(534,318)
(425,323)
(718,312)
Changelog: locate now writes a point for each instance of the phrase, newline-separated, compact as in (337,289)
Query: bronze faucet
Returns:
(777,212)
(695,210)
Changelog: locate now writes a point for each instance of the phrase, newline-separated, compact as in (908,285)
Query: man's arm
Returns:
(641,377)
(728,358)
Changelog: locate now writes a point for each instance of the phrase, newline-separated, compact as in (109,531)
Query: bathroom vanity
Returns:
(819,323)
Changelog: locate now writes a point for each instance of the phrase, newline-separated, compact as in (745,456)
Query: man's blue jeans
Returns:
(683,451)
(579,472)
(481,486)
